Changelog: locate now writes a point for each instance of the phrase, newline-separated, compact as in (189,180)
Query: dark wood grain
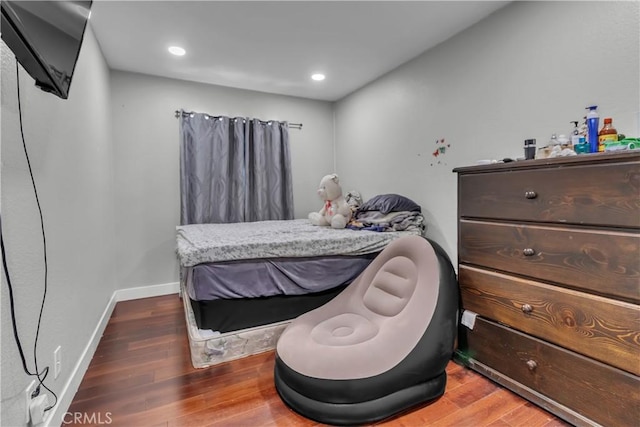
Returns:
(141,375)
(583,160)
(604,262)
(574,194)
(549,254)
(602,328)
(567,378)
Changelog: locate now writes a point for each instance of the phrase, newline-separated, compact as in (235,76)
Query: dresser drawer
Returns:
(604,394)
(604,329)
(604,262)
(598,194)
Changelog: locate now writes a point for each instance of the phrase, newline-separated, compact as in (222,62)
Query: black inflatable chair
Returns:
(379,347)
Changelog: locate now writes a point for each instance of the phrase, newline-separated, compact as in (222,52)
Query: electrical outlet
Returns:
(57,362)
(28,397)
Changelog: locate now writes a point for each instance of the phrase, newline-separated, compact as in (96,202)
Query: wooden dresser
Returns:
(549,272)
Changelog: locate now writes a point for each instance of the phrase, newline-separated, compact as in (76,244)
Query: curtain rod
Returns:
(188,113)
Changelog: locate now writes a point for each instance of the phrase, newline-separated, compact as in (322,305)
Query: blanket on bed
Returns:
(392,221)
(200,243)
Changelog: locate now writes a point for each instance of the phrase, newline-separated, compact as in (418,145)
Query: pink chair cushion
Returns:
(373,324)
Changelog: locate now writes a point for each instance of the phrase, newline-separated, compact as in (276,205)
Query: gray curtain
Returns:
(269,185)
(234,170)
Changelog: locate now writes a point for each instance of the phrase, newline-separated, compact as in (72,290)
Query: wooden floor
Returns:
(141,375)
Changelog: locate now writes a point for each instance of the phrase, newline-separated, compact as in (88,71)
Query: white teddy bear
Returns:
(335,212)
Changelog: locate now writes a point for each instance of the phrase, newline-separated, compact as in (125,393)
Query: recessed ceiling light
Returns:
(318,77)
(176,50)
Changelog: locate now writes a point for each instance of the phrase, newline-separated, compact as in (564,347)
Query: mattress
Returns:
(204,243)
(240,276)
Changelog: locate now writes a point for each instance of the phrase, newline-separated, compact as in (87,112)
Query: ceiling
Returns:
(275,46)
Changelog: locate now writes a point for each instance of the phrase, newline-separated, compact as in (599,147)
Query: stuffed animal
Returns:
(335,212)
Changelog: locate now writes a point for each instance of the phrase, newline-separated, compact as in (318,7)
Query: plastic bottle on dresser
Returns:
(575,134)
(582,147)
(592,128)
(583,128)
(607,134)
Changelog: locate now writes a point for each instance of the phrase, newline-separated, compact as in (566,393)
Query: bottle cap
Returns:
(607,120)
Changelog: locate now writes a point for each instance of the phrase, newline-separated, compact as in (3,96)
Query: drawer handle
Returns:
(528,252)
(526,308)
(530,194)
(532,365)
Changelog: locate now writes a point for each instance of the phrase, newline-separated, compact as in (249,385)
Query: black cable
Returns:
(12,305)
(41,376)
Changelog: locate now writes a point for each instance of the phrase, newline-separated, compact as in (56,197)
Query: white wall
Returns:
(146,142)
(70,147)
(525,72)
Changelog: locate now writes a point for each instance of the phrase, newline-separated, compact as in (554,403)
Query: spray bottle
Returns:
(592,128)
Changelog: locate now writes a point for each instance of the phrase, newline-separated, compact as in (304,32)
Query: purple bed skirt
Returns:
(277,276)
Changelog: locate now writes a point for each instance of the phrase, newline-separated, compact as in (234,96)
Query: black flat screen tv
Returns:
(46,37)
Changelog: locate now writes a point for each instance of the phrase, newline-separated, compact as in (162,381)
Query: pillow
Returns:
(386,203)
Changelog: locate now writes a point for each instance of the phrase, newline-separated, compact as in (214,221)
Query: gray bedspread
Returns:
(202,243)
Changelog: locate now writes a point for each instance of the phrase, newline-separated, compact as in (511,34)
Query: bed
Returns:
(243,282)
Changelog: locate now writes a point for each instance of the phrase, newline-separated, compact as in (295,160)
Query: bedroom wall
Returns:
(524,72)
(146,143)
(69,144)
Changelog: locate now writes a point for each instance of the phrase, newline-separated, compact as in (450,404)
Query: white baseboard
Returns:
(57,415)
(147,291)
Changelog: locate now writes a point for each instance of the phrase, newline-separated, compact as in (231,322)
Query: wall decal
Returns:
(440,151)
